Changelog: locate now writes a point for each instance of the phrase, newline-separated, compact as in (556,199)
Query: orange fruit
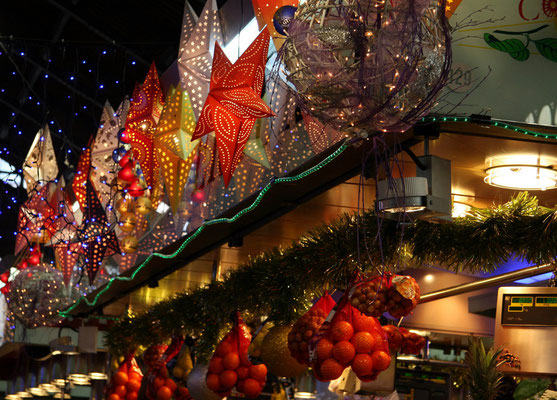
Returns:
(134,376)
(231,361)
(215,365)
(363,323)
(344,352)
(183,393)
(362,365)
(363,342)
(120,378)
(342,330)
(243,372)
(380,360)
(113,396)
(169,383)
(252,388)
(228,379)
(324,349)
(377,340)
(223,349)
(213,382)
(331,369)
(164,393)
(133,386)
(131,396)
(240,385)
(158,382)
(258,372)
(121,390)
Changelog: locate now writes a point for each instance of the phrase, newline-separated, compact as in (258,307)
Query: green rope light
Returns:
(246,210)
(499,124)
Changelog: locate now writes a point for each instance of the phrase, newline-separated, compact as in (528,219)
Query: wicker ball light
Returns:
(36,295)
(364,66)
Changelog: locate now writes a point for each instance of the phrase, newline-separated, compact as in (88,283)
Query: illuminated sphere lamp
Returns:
(521,177)
(36,295)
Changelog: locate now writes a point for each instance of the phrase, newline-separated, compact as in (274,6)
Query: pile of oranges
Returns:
(229,367)
(162,387)
(404,341)
(126,382)
(302,332)
(352,340)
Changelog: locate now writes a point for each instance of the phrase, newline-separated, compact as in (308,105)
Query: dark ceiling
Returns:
(61,60)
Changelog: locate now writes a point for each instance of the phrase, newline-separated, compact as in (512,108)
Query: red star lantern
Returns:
(66,258)
(82,175)
(234,102)
(36,218)
(143,116)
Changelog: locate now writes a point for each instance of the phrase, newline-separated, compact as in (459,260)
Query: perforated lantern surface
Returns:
(40,164)
(234,102)
(103,167)
(36,295)
(144,113)
(67,256)
(82,175)
(195,60)
(174,147)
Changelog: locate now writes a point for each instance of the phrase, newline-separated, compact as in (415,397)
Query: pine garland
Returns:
(280,283)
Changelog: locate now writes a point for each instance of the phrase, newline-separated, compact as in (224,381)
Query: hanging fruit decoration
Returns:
(404,341)
(230,367)
(276,355)
(184,365)
(307,326)
(126,381)
(396,294)
(352,340)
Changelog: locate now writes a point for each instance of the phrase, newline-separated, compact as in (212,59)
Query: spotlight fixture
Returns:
(521,177)
(427,195)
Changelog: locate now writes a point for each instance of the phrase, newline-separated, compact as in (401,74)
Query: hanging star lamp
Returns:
(144,113)
(234,102)
(174,147)
(189,20)
(82,175)
(35,219)
(321,136)
(40,164)
(103,166)
(163,235)
(195,60)
(97,238)
(273,14)
(64,223)
(66,255)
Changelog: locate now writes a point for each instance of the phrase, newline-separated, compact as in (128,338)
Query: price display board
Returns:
(532,310)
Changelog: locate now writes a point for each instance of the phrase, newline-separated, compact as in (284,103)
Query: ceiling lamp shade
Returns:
(402,195)
(521,177)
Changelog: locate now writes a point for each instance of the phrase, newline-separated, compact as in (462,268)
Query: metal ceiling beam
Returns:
(489,282)
(98,32)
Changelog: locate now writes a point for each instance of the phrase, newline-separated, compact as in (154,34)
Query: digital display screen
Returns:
(546,300)
(515,308)
(522,300)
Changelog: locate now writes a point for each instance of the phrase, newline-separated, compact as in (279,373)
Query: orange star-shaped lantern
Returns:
(234,102)
(82,175)
(143,116)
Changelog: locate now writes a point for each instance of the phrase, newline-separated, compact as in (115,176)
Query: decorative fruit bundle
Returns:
(153,354)
(184,364)
(307,326)
(126,381)
(159,384)
(396,294)
(229,367)
(404,341)
(351,340)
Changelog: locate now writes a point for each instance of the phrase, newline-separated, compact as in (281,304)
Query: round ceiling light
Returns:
(522,177)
